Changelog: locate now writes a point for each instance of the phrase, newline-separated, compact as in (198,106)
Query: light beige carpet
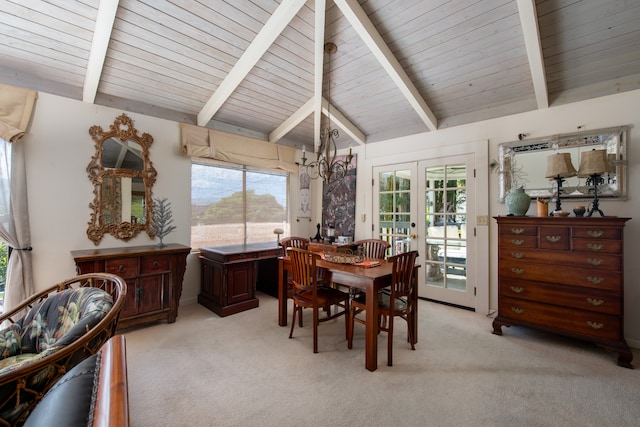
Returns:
(242,370)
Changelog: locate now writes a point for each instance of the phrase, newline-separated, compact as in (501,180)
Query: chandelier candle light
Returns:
(326,165)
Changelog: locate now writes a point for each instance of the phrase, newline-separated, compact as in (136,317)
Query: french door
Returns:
(427,206)
(446,229)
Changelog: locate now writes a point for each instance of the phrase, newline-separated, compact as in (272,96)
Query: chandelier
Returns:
(327,166)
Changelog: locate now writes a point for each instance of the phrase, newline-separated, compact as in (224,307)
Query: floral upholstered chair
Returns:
(51,332)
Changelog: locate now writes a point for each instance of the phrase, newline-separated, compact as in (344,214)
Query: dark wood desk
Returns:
(231,274)
(369,279)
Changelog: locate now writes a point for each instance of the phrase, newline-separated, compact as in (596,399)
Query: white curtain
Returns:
(14,224)
(16,108)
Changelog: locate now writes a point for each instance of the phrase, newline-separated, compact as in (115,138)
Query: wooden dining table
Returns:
(369,279)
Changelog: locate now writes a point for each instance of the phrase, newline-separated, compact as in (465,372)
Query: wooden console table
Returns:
(153,275)
(231,274)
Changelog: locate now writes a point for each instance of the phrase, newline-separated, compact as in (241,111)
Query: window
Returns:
(236,205)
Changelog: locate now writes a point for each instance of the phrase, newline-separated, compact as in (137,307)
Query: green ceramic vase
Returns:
(518,202)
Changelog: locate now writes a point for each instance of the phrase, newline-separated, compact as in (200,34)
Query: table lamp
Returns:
(592,165)
(559,167)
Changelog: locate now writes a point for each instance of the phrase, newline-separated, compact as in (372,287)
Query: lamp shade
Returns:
(559,165)
(611,158)
(593,162)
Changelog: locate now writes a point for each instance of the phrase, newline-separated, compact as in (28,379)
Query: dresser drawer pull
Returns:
(595,246)
(595,233)
(517,255)
(517,270)
(155,264)
(517,230)
(517,310)
(595,302)
(595,261)
(121,268)
(595,325)
(554,239)
(517,242)
(595,280)
(517,289)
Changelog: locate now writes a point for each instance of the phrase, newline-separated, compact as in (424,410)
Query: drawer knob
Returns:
(517,270)
(595,325)
(121,268)
(517,230)
(155,264)
(517,310)
(595,246)
(517,289)
(517,255)
(595,280)
(517,242)
(595,233)
(595,302)
(554,239)
(595,261)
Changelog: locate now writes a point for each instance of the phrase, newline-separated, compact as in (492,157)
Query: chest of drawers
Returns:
(564,275)
(153,275)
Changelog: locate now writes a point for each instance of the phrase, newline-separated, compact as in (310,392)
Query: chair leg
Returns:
(390,342)
(315,329)
(293,318)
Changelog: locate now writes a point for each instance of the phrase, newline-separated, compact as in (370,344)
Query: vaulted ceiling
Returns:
(257,67)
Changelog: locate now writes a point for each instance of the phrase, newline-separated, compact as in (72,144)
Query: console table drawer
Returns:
(123,267)
(154,264)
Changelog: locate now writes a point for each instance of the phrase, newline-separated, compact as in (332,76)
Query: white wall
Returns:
(621,109)
(59,149)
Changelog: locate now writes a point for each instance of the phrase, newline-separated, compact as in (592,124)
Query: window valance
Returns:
(198,141)
(16,107)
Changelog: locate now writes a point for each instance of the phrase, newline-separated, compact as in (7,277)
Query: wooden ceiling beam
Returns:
(263,40)
(318,69)
(531,33)
(99,44)
(293,121)
(361,23)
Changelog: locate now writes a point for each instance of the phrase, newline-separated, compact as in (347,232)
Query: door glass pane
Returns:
(395,209)
(445,221)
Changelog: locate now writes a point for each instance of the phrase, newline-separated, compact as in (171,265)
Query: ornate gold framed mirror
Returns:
(122,176)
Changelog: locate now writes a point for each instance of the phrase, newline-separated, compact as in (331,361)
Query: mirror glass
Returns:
(523,163)
(123,176)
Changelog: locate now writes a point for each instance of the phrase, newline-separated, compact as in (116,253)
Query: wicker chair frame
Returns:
(18,395)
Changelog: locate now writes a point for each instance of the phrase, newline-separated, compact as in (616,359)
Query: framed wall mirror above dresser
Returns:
(122,175)
(523,163)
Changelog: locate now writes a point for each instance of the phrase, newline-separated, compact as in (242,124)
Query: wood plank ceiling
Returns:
(257,67)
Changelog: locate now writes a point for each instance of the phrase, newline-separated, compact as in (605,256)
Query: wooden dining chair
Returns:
(294,242)
(308,294)
(373,248)
(395,301)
